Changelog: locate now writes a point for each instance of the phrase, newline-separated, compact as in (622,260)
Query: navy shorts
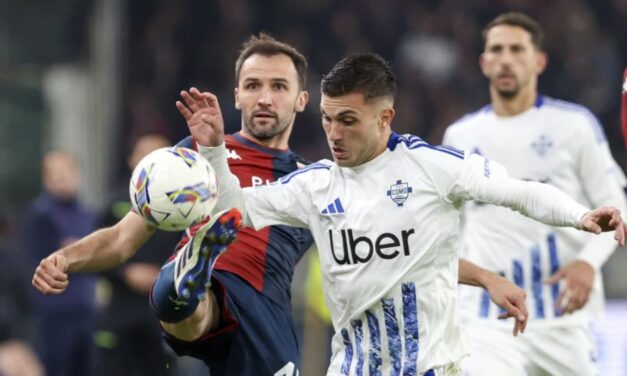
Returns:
(256,336)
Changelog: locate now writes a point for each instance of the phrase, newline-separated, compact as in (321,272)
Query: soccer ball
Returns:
(172,188)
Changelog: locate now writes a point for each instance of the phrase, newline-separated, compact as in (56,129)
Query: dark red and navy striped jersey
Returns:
(265,258)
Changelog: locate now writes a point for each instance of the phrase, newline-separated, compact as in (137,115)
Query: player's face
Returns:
(510,60)
(268,95)
(60,175)
(357,132)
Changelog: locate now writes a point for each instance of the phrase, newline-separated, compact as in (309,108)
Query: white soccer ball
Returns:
(172,188)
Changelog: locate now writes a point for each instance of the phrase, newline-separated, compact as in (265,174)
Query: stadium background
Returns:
(87,76)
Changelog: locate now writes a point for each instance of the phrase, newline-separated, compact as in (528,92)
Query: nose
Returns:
(265,97)
(507,57)
(333,132)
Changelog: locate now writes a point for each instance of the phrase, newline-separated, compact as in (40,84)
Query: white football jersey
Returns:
(554,142)
(387,233)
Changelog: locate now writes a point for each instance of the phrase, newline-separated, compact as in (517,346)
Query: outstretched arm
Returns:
(102,249)
(503,293)
(486,181)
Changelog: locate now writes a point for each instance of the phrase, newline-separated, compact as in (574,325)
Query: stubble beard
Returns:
(264,132)
(508,93)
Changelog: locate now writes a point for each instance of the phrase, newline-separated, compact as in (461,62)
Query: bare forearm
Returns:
(473,275)
(93,253)
(108,247)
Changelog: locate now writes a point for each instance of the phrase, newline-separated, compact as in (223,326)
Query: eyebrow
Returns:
(343,113)
(254,79)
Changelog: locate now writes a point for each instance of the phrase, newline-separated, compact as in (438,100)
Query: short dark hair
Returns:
(266,45)
(366,73)
(521,20)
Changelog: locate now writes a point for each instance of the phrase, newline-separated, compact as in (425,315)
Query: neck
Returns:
(523,101)
(382,145)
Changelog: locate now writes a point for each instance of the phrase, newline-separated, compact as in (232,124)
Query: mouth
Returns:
(505,77)
(339,153)
(264,115)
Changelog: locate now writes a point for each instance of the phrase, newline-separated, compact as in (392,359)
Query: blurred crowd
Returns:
(433,46)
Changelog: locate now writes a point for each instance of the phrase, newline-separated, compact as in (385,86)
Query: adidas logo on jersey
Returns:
(387,246)
(334,208)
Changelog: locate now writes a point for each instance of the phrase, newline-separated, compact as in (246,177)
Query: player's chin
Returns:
(264,121)
(344,162)
(506,91)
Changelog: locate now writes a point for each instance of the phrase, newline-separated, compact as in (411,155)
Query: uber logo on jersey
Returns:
(361,249)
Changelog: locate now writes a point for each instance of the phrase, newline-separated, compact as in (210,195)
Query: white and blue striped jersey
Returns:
(558,143)
(387,234)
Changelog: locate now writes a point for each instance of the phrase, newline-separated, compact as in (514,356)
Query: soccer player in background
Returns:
(385,218)
(243,326)
(538,139)
(63,325)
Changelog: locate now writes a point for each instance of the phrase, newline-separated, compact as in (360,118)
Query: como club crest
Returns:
(399,192)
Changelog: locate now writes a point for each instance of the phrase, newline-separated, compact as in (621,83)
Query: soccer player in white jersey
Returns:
(385,217)
(539,139)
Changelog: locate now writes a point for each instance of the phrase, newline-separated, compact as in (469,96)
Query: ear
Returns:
(236,94)
(301,101)
(542,60)
(387,114)
(482,64)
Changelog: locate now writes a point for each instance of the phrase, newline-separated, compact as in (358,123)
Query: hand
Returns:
(18,359)
(579,276)
(50,276)
(605,219)
(140,276)
(203,116)
(510,297)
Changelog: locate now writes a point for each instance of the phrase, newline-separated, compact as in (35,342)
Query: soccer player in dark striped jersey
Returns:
(252,332)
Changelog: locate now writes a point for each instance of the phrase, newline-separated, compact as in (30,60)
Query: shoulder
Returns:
(573,115)
(471,118)
(310,171)
(466,125)
(417,147)
(41,205)
(300,161)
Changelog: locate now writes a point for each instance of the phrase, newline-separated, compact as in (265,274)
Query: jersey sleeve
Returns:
(449,138)
(229,191)
(284,202)
(483,180)
(281,203)
(603,183)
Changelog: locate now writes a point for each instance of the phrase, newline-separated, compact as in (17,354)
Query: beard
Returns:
(266,131)
(507,92)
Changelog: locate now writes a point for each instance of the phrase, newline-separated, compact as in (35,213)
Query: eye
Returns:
(348,121)
(280,86)
(251,86)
